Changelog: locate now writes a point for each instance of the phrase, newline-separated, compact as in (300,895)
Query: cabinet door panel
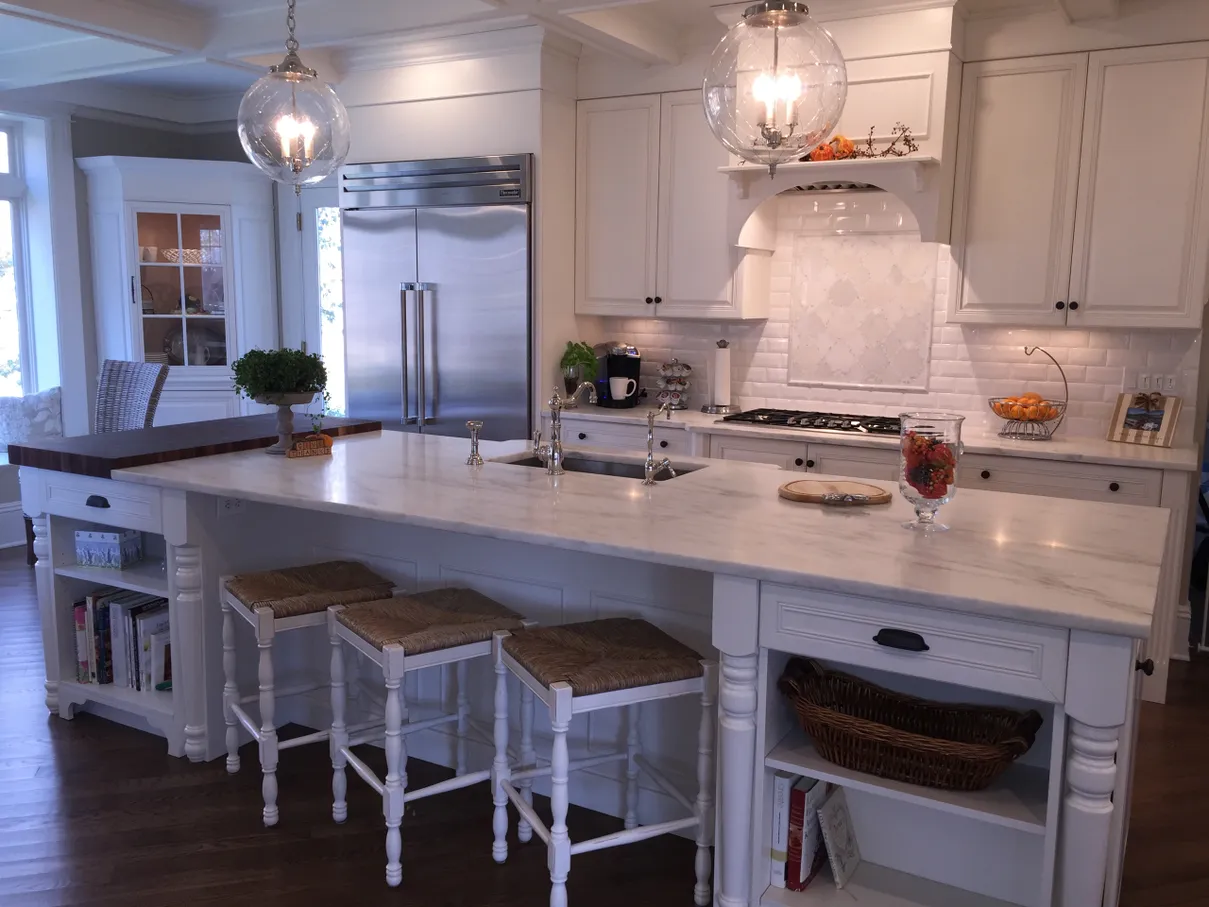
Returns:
(617,202)
(1017,176)
(854,462)
(695,262)
(786,454)
(1141,242)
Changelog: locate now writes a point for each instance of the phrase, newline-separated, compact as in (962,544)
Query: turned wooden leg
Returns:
(186,611)
(392,795)
(705,786)
(560,841)
(463,714)
(737,751)
(45,572)
(633,749)
(1091,774)
(339,735)
(524,831)
(500,771)
(230,691)
(268,732)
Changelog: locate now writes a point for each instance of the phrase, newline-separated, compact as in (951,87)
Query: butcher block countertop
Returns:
(99,455)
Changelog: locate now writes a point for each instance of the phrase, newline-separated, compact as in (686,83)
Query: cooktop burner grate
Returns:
(808,421)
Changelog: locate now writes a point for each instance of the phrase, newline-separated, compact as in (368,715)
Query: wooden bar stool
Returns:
(276,601)
(584,667)
(401,635)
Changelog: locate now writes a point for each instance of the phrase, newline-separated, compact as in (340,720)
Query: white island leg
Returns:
(187,632)
(45,572)
(735,633)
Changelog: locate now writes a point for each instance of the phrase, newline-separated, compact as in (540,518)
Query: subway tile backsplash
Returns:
(967,364)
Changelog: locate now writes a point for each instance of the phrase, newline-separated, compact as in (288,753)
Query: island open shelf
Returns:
(150,576)
(877,886)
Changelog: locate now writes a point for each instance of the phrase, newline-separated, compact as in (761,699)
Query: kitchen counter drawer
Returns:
(106,501)
(1081,481)
(874,463)
(669,441)
(984,653)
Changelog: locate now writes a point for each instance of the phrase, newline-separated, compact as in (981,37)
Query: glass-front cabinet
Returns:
(181,287)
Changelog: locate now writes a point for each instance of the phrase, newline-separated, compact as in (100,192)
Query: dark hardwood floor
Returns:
(94,814)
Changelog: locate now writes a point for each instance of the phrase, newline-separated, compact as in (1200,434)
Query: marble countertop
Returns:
(1064,563)
(1068,449)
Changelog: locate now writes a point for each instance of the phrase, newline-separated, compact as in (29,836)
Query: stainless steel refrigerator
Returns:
(438,294)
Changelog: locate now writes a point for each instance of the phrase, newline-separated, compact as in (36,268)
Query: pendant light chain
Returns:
(291,43)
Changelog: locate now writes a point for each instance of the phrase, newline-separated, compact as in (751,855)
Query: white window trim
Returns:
(13,188)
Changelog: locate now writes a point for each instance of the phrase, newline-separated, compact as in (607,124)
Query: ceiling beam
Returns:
(164,25)
(631,32)
(1089,10)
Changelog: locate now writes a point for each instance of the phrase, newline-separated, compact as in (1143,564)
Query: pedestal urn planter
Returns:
(285,418)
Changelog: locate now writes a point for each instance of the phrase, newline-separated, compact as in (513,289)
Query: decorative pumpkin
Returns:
(823,152)
(842,147)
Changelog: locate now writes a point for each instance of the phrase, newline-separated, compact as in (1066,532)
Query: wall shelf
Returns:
(1016,800)
(860,170)
(148,577)
(876,886)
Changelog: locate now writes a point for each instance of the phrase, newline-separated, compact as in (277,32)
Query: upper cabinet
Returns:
(651,215)
(1059,219)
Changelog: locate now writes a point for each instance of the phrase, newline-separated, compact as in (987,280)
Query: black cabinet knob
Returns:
(1146,667)
(810,464)
(799,462)
(1057,305)
(1115,486)
(663,443)
(658,299)
(1074,306)
(582,436)
(649,300)
(986,473)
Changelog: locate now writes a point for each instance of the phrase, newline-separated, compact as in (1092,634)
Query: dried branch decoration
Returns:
(841,148)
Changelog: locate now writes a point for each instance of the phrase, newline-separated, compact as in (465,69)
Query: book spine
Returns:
(117,643)
(104,651)
(78,614)
(814,854)
(795,879)
(90,639)
(781,785)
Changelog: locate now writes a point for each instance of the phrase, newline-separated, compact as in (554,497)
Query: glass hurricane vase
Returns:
(929,454)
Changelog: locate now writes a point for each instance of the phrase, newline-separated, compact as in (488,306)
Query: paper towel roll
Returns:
(722,376)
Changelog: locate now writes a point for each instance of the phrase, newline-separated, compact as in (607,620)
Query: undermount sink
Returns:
(625,470)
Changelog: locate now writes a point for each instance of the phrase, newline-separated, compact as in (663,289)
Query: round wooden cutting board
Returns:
(837,494)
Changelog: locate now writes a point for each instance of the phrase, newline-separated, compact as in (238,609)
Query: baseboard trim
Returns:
(12,525)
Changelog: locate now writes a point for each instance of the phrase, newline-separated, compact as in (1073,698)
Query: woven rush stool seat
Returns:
(272,602)
(603,656)
(429,621)
(309,589)
(581,668)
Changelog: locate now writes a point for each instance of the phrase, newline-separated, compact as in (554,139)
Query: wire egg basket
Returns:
(1028,419)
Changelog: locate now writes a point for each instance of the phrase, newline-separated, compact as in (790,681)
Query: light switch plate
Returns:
(1144,382)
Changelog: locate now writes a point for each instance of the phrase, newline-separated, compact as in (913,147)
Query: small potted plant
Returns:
(280,378)
(578,364)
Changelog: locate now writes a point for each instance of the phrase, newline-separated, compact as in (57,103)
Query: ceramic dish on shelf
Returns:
(192,256)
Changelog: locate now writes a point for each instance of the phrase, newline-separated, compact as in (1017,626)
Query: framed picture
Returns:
(1141,418)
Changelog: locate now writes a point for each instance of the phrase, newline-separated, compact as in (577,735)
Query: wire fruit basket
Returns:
(1030,417)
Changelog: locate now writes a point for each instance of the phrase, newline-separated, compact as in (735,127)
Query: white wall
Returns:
(967,363)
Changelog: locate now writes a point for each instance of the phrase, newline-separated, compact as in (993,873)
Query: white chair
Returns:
(400,635)
(272,602)
(584,667)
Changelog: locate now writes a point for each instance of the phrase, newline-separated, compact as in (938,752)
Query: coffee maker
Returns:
(617,360)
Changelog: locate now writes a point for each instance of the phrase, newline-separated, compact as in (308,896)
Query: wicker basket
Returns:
(861,726)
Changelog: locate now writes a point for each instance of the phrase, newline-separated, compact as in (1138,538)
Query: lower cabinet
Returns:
(786,454)
(1050,478)
(822,459)
(669,440)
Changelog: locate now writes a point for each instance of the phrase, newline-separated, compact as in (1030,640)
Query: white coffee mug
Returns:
(620,388)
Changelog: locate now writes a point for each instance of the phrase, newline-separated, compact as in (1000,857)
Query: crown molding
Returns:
(833,10)
(494,38)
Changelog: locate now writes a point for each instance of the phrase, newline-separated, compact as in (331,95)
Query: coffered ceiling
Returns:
(213,48)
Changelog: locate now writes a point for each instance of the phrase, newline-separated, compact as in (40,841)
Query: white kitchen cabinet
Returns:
(651,215)
(1051,478)
(581,432)
(183,273)
(791,455)
(1141,245)
(1056,221)
(874,463)
(1017,176)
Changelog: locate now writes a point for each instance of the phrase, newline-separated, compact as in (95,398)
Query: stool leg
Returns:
(230,691)
(560,841)
(463,714)
(339,735)
(268,732)
(392,796)
(705,787)
(500,771)
(524,831)
(633,748)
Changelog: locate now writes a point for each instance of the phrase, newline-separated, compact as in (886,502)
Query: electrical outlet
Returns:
(1144,382)
(230,506)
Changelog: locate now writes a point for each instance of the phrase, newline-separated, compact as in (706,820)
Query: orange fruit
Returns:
(1016,411)
(1032,413)
(1035,398)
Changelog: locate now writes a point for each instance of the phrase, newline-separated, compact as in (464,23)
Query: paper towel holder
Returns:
(720,409)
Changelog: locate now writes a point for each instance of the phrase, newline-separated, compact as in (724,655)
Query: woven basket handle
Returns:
(797,673)
(1026,733)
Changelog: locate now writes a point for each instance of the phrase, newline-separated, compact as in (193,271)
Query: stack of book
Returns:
(123,638)
(798,851)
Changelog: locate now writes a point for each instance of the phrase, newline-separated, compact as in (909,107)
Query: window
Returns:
(331,305)
(14,347)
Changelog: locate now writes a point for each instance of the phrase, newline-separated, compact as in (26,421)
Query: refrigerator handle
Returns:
(422,342)
(404,289)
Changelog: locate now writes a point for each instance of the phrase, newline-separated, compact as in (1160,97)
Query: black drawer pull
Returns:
(1146,667)
(582,436)
(810,464)
(799,462)
(1115,486)
(663,443)
(986,473)
(900,639)
(96,500)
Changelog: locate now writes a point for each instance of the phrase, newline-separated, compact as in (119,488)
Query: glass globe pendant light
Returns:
(291,124)
(776,84)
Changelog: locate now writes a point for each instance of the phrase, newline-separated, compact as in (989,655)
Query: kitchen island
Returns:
(1031,602)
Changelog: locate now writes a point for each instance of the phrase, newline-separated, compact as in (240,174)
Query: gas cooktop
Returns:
(788,418)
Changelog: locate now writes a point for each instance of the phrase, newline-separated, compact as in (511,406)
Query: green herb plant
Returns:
(267,372)
(581,354)
(325,401)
